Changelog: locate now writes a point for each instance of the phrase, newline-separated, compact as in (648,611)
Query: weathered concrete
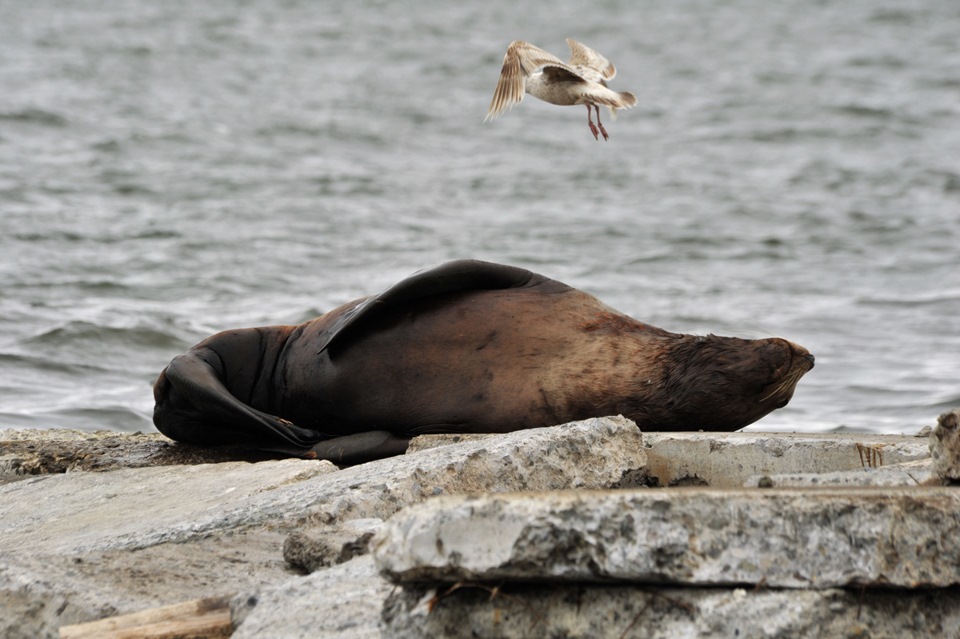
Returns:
(314,548)
(945,446)
(594,453)
(40,592)
(55,529)
(616,612)
(915,473)
(342,602)
(730,459)
(157,536)
(426,442)
(813,538)
(28,452)
(143,506)
(139,507)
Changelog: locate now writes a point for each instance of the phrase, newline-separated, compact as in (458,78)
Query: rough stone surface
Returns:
(316,548)
(915,473)
(28,452)
(730,459)
(71,544)
(594,453)
(342,602)
(138,507)
(813,538)
(158,536)
(945,446)
(41,592)
(520,611)
(426,442)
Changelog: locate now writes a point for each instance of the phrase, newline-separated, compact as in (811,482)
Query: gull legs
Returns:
(593,129)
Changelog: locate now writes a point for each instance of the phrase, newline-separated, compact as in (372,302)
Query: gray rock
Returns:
(811,538)
(945,445)
(520,611)
(915,473)
(84,545)
(730,459)
(342,602)
(41,592)
(80,546)
(315,548)
(143,506)
(426,442)
(138,507)
(594,453)
(28,452)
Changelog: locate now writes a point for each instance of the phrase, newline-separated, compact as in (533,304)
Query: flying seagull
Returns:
(583,80)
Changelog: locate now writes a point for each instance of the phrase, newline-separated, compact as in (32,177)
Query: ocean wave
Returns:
(35,116)
(81,341)
(115,418)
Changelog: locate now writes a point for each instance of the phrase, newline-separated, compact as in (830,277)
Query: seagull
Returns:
(583,80)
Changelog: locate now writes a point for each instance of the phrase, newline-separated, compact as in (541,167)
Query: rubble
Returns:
(108,529)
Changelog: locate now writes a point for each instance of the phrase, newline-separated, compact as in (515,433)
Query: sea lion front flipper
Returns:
(450,277)
(194,407)
(361,447)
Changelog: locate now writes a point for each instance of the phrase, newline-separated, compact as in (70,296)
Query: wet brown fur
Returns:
(484,361)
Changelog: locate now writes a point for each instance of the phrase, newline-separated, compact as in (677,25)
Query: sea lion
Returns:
(466,347)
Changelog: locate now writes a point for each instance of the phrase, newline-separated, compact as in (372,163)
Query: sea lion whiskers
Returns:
(788,382)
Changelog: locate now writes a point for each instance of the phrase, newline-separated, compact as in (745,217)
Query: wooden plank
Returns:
(209,617)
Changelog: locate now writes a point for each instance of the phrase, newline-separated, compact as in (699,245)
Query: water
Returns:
(168,170)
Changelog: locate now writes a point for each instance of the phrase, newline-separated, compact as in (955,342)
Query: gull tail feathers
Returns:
(627,101)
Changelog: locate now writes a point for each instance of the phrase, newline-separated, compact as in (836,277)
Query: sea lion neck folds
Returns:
(465,347)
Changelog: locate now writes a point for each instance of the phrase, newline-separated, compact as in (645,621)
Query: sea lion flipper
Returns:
(360,447)
(450,277)
(191,397)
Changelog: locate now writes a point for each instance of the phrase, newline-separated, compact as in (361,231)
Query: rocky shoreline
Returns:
(585,529)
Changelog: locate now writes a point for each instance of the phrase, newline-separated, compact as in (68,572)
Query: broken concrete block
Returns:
(915,473)
(945,445)
(729,459)
(517,611)
(316,548)
(342,602)
(810,538)
(80,546)
(593,453)
(138,507)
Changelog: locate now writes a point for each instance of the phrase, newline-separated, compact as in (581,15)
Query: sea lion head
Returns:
(726,383)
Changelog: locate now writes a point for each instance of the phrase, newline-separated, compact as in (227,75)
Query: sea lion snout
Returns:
(802,358)
(783,381)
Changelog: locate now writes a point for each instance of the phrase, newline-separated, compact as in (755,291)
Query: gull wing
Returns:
(521,59)
(582,55)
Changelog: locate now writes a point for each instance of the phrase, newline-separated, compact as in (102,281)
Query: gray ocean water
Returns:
(171,169)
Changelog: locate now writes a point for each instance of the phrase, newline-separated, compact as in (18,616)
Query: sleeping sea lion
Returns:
(466,347)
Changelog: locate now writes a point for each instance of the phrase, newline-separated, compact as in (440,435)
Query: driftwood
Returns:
(200,618)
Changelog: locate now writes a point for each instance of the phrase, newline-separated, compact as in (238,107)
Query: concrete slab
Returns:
(343,602)
(138,507)
(808,538)
(945,446)
(518,611)
(915,473)
(76,547)
(730,459)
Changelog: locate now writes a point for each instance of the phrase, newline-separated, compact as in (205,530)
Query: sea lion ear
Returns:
(451,277)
